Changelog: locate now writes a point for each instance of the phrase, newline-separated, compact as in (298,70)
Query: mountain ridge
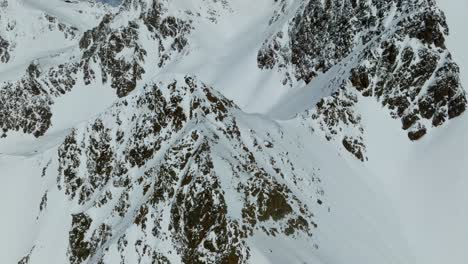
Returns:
(177,131)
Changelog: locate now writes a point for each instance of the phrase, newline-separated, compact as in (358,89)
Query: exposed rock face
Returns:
(4,52)
(334,113)
(394,51)
(164,155)
(102,45)
(25,104)
(5,45)
(115,53)
(119,52)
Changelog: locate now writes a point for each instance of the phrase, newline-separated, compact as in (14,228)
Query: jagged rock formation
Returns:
(334,113)
(393,51)
(4,53)
(30,98)
(105,45)
(114,53)
(157,169)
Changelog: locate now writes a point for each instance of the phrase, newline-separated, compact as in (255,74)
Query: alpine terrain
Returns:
(233,131)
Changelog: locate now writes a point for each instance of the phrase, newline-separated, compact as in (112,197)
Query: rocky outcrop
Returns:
(159,162)
(103,45)
(394,51)
(4,50)
(335,114)
(113,52)
(117,51)
(25,104)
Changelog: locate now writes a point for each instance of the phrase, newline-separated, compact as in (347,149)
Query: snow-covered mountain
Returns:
(232,131)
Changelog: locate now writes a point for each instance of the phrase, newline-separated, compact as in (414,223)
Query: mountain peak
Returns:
(217,131)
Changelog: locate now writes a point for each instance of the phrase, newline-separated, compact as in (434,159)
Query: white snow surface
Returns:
(407,205)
